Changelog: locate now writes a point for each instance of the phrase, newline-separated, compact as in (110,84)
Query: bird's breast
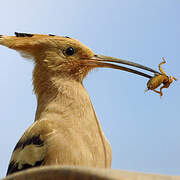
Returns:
(77,146)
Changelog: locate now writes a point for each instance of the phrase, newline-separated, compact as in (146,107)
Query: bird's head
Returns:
(63,55)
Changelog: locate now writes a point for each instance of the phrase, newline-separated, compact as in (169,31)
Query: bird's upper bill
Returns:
(65,54)
(111,62)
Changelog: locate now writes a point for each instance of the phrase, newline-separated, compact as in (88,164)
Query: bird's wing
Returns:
(31,149)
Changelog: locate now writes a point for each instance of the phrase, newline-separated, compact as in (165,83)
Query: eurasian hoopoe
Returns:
(66,130)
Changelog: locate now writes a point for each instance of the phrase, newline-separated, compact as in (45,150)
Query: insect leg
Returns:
(159,92)
(160,68)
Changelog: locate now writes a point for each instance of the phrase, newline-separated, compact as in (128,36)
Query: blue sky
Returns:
(142,128)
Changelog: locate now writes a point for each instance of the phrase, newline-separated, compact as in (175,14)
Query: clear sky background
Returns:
(144,130)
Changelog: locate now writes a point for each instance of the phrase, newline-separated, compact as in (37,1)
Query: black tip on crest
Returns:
(23,34)
(51,35)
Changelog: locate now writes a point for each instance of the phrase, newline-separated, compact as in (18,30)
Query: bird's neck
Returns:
(65,101)
(62,98)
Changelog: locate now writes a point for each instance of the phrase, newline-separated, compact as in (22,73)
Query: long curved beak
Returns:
(106,61)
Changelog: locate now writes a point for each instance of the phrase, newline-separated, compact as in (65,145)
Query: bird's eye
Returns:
(69,51)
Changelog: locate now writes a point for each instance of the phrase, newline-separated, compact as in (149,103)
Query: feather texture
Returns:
(66,130)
